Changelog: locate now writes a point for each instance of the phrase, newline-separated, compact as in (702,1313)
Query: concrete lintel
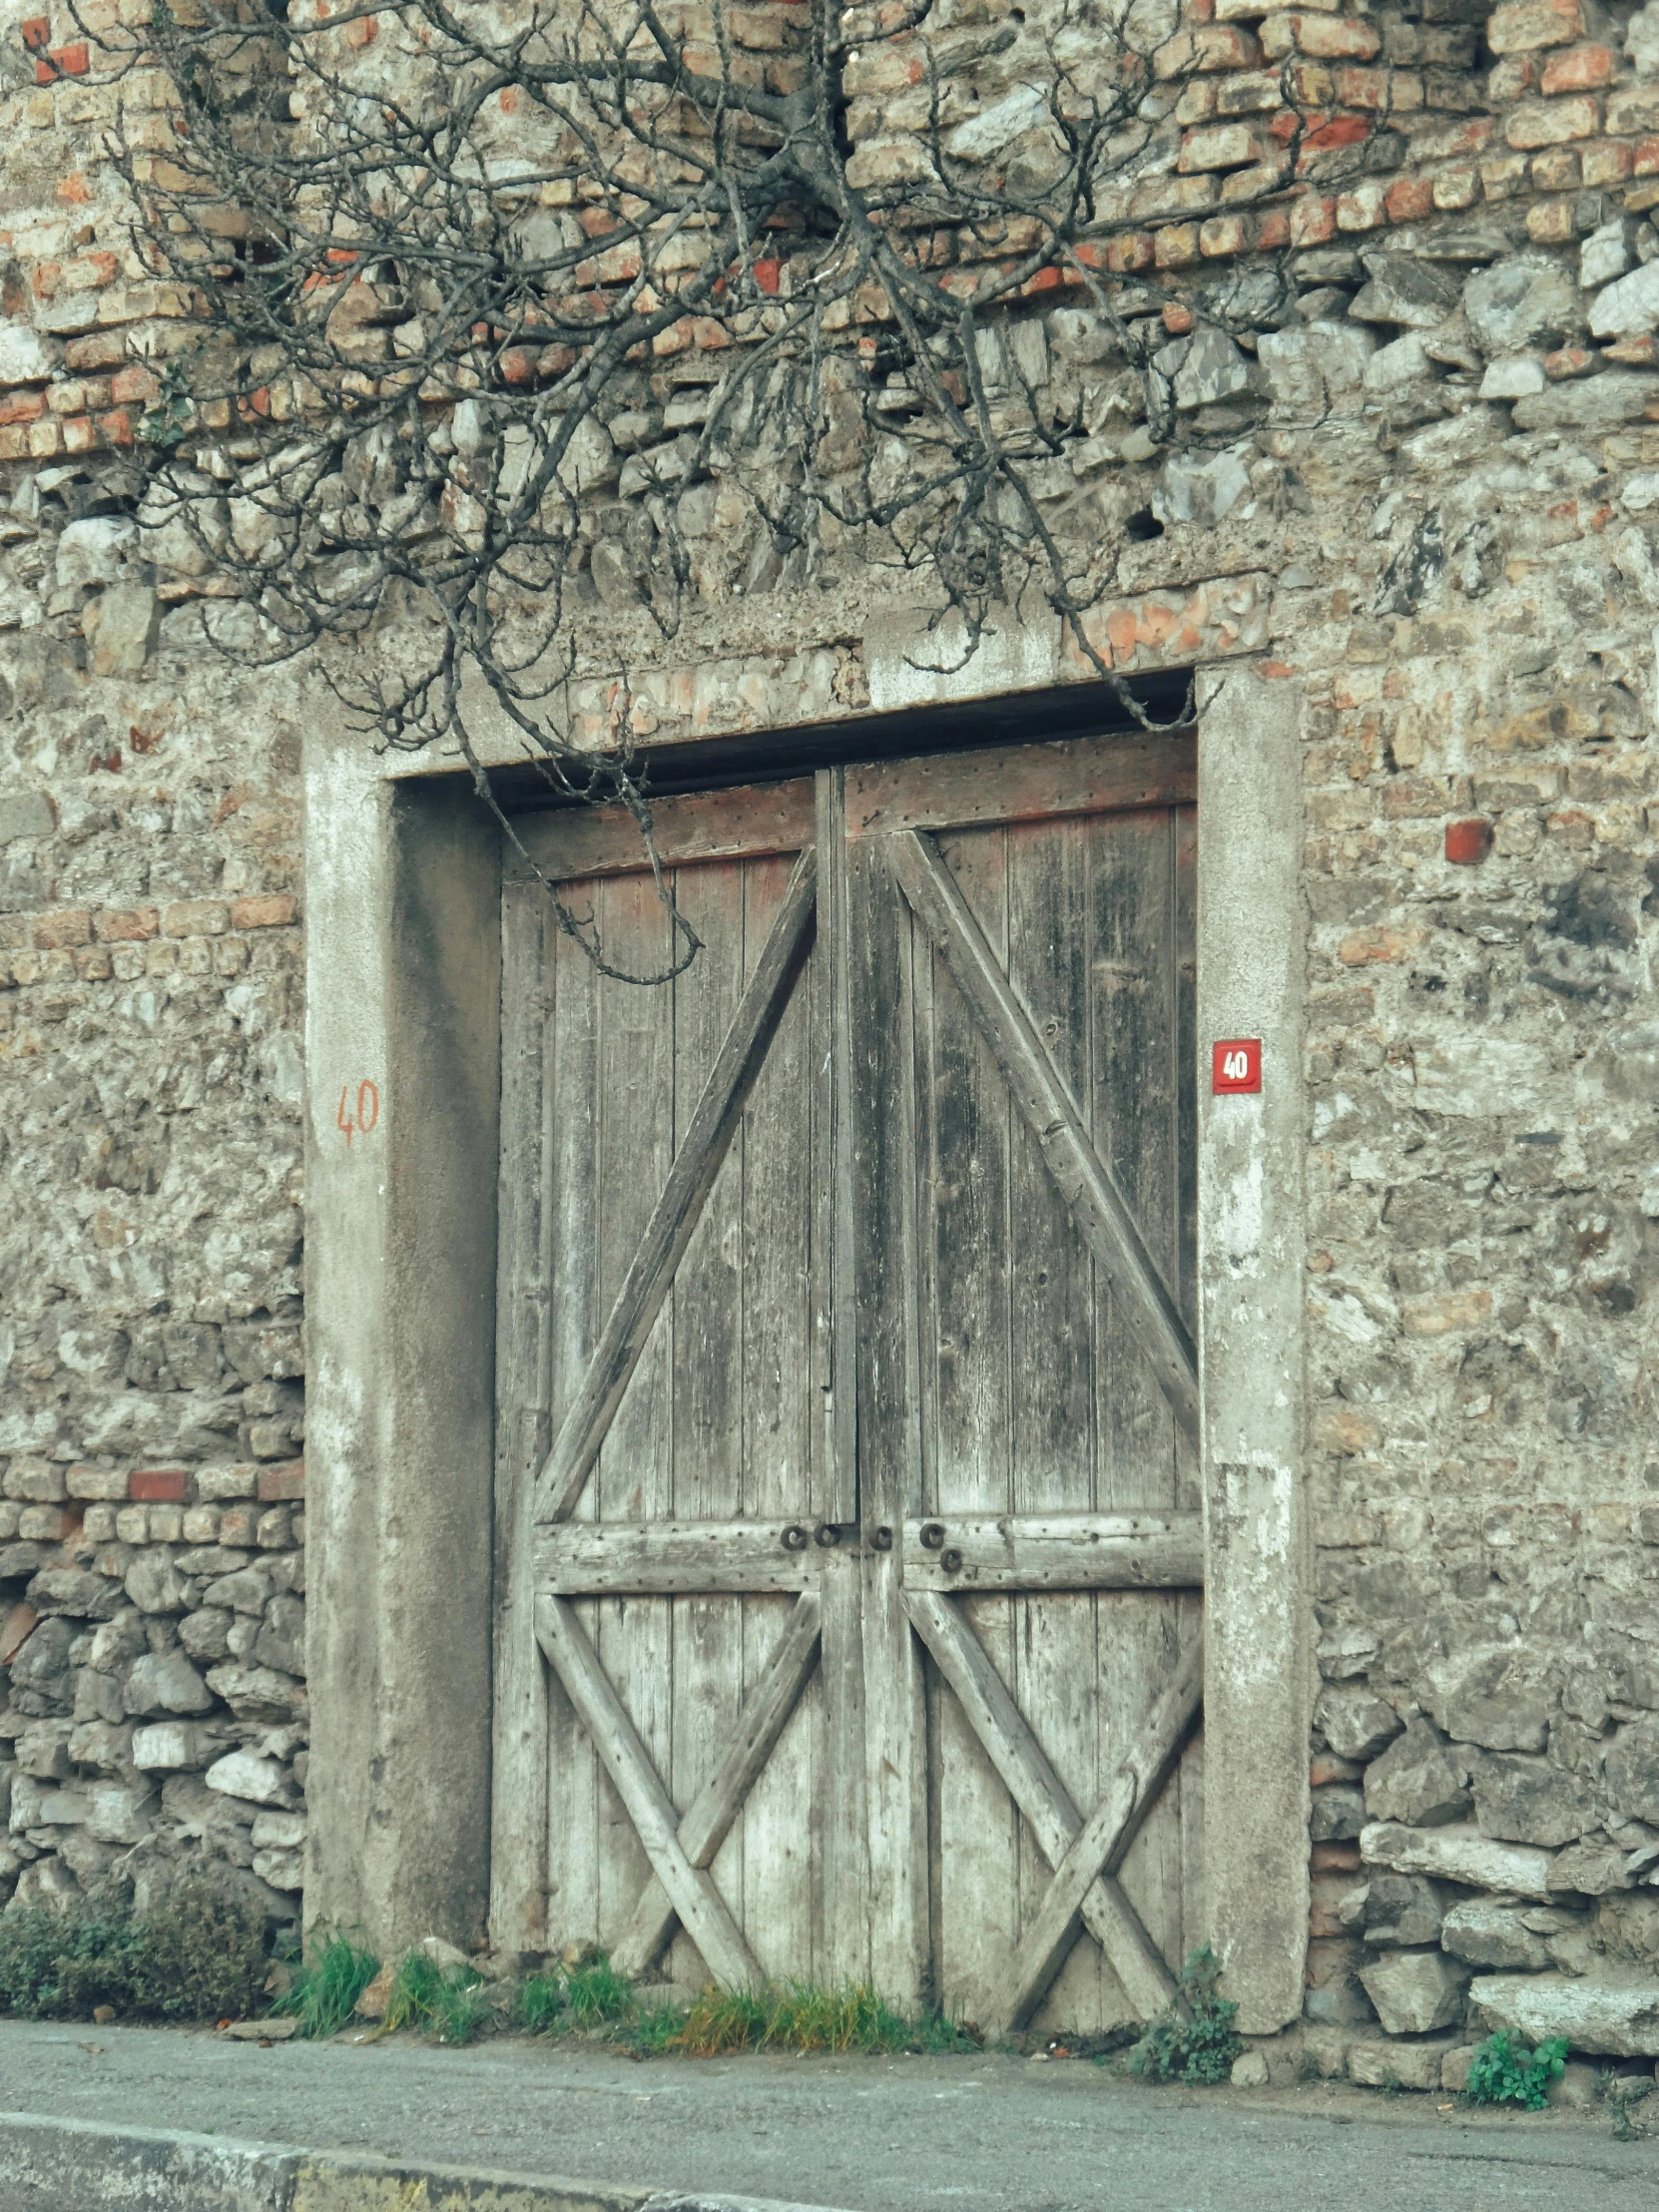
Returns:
(1252,1250)
(403,886)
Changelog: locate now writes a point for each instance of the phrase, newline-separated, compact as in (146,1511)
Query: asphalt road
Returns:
(975,2135)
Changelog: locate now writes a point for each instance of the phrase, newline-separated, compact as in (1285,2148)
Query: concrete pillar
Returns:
(1251,1249)
(402,890)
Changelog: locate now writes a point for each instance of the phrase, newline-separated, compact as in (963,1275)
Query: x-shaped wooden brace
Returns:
(681,1849)
(1085,1853)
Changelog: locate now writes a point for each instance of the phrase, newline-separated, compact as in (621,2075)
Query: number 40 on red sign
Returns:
(1236,1065)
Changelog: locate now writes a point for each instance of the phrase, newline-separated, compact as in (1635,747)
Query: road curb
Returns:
(54,2165)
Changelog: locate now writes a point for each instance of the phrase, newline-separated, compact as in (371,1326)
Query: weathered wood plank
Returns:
(710,1815)
(840,1383)
(579,841)
(518,1825)
(1054,1551)
(1098,1205)
(1056,1426)
(965,1125)
(709,1306)
(1099,1846)
(670,1558)
(1042,1797)
(841,1796)
(1131,1092)
(843,1833)
(883,1140)
(701,1909)
(1073,775)
(676,1214)
(575,1129)
(634,1476)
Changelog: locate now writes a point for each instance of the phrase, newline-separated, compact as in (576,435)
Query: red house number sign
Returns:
(1236,1065)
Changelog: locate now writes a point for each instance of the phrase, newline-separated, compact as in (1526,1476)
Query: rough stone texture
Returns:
(1458,1854)
(1379,2064)
(1485,1934)
(1354,1724)
(1617,2018)
(1416,1991)
(1416,1782)
(1419,504)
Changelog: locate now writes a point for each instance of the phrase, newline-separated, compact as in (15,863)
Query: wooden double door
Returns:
(847,1607)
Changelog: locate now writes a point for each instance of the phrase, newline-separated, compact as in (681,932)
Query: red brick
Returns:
(72,925)
(1130,254)
(281,1482)
(1336,1857)
(135,384)
(1536,125)
(1580,69)
(63,61)
(1313,222)
(126,925)
(73,187)
(1391,90)
(1467,843)
(98,350)
(271,911)
(116,427)
(1342,130)
(36,32)
(22,407)
(158,1485)
(79,436)
(1410,199)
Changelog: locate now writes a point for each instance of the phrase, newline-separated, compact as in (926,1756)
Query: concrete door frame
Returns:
(402,876)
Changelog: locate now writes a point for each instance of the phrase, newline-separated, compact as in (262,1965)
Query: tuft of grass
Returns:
(593,1999)
(451,2001)
(325,1988)
(594,1995)
(1505,2071)
(199,1956)
(541,2004)
(1195,2039)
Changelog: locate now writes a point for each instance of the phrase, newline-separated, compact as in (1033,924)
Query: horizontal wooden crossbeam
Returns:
(673,1558)
(1054,1551)
(1003,1551)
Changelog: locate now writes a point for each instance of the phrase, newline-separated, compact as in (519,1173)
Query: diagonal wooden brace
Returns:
(703,1911)
(1098,1848)
(676,1212)
(715,1805)
(1103,1215)
(1041,1796)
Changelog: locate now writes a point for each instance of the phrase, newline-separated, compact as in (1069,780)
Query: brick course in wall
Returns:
(1423,479)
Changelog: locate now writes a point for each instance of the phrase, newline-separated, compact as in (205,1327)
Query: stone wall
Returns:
(1421,480)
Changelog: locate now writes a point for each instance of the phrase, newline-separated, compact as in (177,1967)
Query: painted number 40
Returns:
(1236,1065)
(360,1122)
